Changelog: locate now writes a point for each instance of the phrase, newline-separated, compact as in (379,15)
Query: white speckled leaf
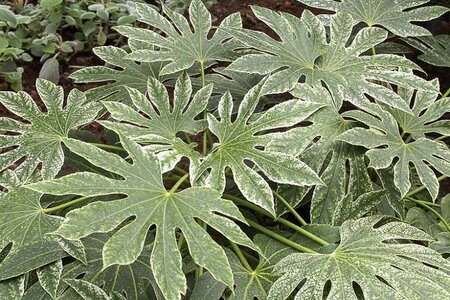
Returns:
(239,141)
(256,284)
(12,289)
(49,277)
(435,49)
(179,45)
(341,166)
(207,287)
(23,223)
(148,201)
(156,122)
(385,143)
(395,15)
(40,141)
(406,270)
(87,290)
(305,53)
(129,74)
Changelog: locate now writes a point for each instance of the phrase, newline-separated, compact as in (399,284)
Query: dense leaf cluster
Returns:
(306,166)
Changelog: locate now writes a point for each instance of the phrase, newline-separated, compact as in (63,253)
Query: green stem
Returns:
(446,93)
(279,237)
(180,170)
(440,217)
(64,205)
(109,147)
(241,256)
(180,241)
(408,139)
(424,202)
(283,221)
(187,137)
(421,188)
(290,208)
(374,52)
(178,183)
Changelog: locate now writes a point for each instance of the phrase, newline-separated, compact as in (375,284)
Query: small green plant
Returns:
(212,185)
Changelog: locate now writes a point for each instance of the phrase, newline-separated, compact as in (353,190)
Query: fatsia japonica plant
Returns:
(233,164)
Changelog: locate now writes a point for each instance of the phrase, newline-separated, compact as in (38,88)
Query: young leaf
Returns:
(385,143)
(239,143)
(132,75)
(368,256)
(40,141)
(435,49)
(396,16)
(304,52)
(150,204)
(24,224)
(181,46)
(159,127)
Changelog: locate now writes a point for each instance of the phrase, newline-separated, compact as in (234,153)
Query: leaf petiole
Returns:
(279,237)
(437,214)
(290,208)
(178,183)
(64,205)
(109,147)
(241,256)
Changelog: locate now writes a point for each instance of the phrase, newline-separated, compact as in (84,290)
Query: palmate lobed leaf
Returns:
(156,122)
(239,142)
(182,46)
(385,143)
(39,141)
(24,224)
(131,280)
(147,203)
(370,256)
(396,16)
(435,49)
(348,190)
(305,54)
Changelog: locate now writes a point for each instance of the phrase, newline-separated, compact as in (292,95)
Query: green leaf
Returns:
(180,45)
(131,75)
(396,16)
(40,141)
(348,191)
(156,122)
(256,284)
(12,289)
(428,111)
(49,3)
(368,256)
(435,49)
(385,143)
(133,279)
(8,16)
(50,276)
(239,142)
(304,53)
(50,70)
(207,287)
(87,290)
(150,204)
(24,225)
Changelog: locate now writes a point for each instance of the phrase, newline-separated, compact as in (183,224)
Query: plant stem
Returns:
(187,137)
(178,183)
(290,208)
(109,147)
(283,221)
(279,237)
(180,170)
(421,188)
(440,217)
(241,256)
(446,93)
(64,205)
(374,52)
(180,241)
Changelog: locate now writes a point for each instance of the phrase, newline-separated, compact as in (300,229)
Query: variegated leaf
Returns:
(150,204)
(156,123)
(396,16)
(385,143)
(240,142)
(39,141)
(370,257)
(180,45)
(435,49)
(304,53)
